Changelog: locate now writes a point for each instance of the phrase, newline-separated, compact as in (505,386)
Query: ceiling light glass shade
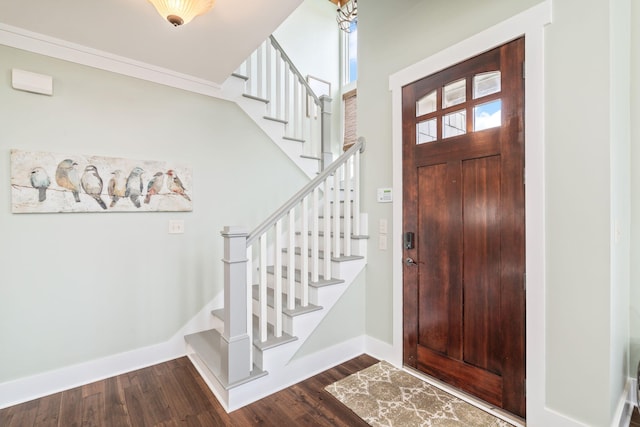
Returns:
(347,14)
(179,12)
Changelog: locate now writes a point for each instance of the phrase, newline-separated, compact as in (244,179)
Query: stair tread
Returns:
(275,119)
(353,236)
(341,258)
(240,76)
(319,284)
(206,345)
(256,98)
(296,311)
(291,138)
(272,341)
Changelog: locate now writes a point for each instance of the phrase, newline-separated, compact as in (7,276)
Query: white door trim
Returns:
(531,24)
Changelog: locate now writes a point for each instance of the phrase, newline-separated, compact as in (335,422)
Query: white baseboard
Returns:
(381,350)
(296,371)
(626,403)
(36,386)
(25,389)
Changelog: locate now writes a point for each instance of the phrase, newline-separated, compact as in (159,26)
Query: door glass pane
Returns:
(454,124)
(486,83)
(426,104)
(487,115)
(427,131)
(454,93)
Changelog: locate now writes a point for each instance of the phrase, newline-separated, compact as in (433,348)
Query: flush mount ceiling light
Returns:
(179,12)
(347,13)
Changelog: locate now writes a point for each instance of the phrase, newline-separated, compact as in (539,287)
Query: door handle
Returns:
(410,261)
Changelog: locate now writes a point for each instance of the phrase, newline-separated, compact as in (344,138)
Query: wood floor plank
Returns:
(93,414)
(173,394)
(115,407)
(138,412)
(71,408)
(48,411)
(24,415)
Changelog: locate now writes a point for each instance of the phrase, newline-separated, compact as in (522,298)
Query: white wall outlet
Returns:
(176,226)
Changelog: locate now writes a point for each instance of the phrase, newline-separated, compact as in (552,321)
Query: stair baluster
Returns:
(327,228)
(273,79)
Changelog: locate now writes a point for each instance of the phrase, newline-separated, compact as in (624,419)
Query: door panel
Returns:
(463,197)
(435,282)
(481,267)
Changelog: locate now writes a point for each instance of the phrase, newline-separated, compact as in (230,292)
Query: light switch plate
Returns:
(382,227)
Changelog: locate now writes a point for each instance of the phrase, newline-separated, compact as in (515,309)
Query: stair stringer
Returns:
(282,369)
(233,90)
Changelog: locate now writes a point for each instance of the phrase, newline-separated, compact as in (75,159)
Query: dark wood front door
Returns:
(463,180)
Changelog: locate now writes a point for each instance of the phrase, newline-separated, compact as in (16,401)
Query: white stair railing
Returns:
(272,77)
(304,209)
(292,235)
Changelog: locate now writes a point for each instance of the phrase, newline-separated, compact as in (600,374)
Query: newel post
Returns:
(325,131)
(235,343)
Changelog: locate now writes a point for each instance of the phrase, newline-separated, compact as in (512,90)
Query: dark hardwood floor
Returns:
(173,394)
(635,418)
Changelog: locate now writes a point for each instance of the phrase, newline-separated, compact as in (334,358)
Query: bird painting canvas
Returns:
(44,182)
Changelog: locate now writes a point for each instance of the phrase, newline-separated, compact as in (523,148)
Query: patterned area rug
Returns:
(383,395)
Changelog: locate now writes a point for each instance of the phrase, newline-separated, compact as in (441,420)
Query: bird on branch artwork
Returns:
(50,182)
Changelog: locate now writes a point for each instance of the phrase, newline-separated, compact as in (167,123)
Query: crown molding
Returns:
(42,44)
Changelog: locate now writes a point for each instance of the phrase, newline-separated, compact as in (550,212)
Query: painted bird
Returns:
(67,177)
(92,184)
(41,181)
(175,185)
(117,187)
(134,186)
(154,186)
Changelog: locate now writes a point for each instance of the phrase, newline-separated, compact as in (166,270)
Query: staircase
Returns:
(271,90)
(282,278)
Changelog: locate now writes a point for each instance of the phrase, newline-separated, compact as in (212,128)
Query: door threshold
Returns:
(468,398)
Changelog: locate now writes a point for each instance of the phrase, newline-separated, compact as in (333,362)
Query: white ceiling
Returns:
(210,47)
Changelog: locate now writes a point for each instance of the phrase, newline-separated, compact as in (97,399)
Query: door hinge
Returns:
(524,281)
(524,176)
(524,71)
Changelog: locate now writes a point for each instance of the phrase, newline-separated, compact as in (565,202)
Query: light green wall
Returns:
(578,211)
(586,279)
(344,321)
(635,190)
(77,287)
(620,114)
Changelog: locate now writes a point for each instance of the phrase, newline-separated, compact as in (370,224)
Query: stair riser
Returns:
(313,292)
(298,264)
(271,316)
(321,226)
